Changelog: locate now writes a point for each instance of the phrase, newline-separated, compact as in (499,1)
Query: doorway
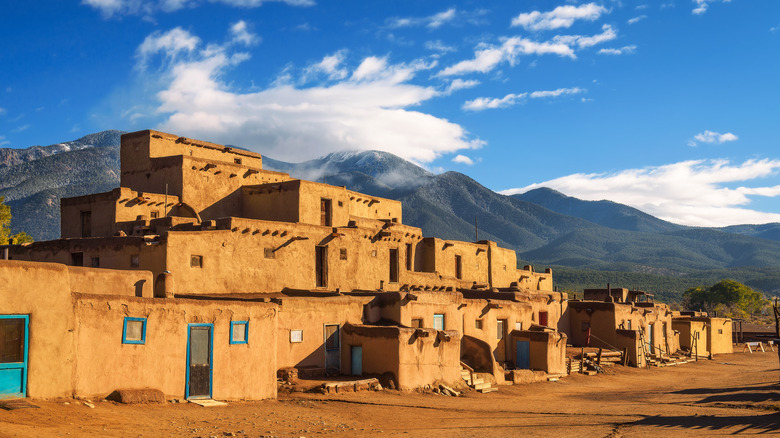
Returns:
(200,342)
(14,333)
(523,355)
(394,265)
(332,348)
(357,360)
(321,266)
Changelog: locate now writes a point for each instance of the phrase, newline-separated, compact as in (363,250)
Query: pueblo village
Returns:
(206,278)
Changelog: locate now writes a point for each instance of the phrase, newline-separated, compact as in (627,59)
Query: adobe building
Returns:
(203,274)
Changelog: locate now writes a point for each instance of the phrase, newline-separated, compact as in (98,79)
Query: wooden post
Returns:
(598,358)
(625,357)
(582,360)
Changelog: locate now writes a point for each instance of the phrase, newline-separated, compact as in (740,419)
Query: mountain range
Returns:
(545,227)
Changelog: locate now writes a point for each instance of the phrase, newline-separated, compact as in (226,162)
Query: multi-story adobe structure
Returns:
(203,274)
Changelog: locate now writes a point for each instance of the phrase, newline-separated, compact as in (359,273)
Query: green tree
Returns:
(5,227)
(727,297)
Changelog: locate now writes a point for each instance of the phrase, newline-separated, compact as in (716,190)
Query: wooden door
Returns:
(332,348)
(523,359)
(501,356)
(14,341)
(357,360)
(199,360)
(321,266)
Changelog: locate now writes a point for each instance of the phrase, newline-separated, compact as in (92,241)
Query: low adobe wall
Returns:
(104,363)
(40,290)
(416,357)
(547,350)
(110,282)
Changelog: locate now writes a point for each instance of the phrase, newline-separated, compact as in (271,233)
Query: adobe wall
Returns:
(271,202)
(547,350)
(40,290)
(720,336)
(424,360)
(503,265)
(517,315)
(105,364)
(689,328)
(441,255)
(630,341)
(402,309)
(311,314)
(527,278)
(113,252)
(381,348)
(111,282)
(373,207)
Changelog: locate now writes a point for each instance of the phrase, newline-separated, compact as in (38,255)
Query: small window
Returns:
(296,336)
(95,262)
(269,253)
(500,329)
(154,214)
(478,324)
(586,326)
(518,326)
(77,258)
(135,261)
(331,337)
(438,321)
(458,268)
(373,253)
(628,325)
(343,254)
(417,323)
(239,332)
(134,331)
(720,331)
(237,160)
(196,261)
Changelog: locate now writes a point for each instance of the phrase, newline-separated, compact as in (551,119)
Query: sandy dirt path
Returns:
(732,394)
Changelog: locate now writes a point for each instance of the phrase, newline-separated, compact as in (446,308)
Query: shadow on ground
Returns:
(736,424)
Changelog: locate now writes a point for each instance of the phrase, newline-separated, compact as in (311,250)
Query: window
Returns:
(134,331)
(478,324)
(331,337)
(500,329)
(95,262)
(12,339)
(237,160)
(458,268)
(343,254)
(394,265)
(77,258)
(518,326)
(720,331)
(409,257)
(373,253)
(417,323)
(196,261)
(135,261)
(542,318)
(239,332)
(154,214)
(86,223)
(438,321)
(321,266)
(296,336)
(269,253)
(628,325)
(325,212)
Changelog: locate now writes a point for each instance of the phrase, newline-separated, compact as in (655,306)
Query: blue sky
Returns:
(671,107)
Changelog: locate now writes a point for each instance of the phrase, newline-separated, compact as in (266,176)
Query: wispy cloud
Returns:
(487,57)
(621,51)
(460,84)
(703,5)
(707,200)
(483,103)
(241,34)
(432,22)
(712,137)
(3,111)
(21,128)
(462,159)
(438,46)
(3,141)
(171,44)
(110,8)
(367,104)
(560,17)
(636,19)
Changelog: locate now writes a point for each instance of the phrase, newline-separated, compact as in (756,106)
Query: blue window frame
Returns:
(239,332)
(134,331)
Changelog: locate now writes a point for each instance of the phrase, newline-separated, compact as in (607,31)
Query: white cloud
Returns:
(705,201)
(636,19)
(242,35)
(703,5)
(331,66)
(432,22)
(170,43)
(463,160)
(21,128)
(560,17)
(368,106)
(438,46)
(460,84)
(483,103)
(774,28)
(712,137)
(3,141)
(621,51)
(109,8)
(487,57)
(609,33)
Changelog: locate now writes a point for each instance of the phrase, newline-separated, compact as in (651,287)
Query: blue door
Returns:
(14,332)
(523,355)
(200,342)
(357,360)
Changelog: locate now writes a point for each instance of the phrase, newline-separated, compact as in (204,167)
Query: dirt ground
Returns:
(732,394)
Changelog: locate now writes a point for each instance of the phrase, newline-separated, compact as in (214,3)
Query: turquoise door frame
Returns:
(211,361)
(13,375)
(357,360)
(523,361)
